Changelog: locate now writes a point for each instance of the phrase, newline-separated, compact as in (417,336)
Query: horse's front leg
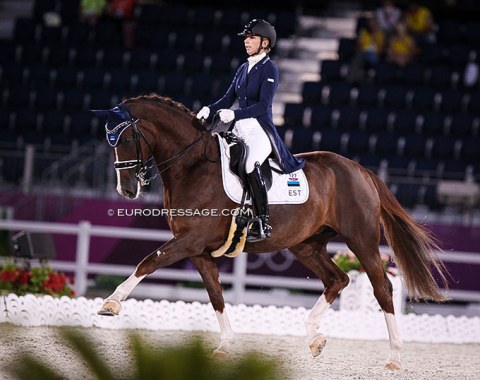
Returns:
(167,254)
(208,269)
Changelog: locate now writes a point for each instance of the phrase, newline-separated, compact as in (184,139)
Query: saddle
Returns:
(238,158)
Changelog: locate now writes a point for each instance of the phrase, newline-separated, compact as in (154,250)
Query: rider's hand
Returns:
(226,116)
(204,113)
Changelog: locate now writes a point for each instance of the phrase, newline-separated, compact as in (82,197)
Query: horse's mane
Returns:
(161,99)
(165,100)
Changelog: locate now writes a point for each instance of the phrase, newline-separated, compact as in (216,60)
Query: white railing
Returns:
(238,278)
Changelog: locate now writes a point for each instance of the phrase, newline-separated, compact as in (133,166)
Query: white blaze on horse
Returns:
(345,199)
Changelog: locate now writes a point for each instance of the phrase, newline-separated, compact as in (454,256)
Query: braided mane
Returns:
(161,99)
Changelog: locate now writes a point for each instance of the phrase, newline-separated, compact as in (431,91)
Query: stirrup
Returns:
(258,230)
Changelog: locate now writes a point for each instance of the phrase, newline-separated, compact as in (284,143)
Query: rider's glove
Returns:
(226,116)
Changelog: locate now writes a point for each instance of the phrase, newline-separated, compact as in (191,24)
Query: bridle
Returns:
(142,166)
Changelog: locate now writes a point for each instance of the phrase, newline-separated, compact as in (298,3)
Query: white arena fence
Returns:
(30,311)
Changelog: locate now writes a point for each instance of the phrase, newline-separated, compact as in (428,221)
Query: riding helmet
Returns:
(262,28)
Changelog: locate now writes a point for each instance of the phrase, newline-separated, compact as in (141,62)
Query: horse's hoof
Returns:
(316,347)
(110,308)
(393,365)
(219,353)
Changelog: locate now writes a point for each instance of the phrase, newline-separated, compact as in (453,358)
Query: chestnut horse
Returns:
(345,199)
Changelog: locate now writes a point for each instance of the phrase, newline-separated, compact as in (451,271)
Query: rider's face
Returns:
(252,44)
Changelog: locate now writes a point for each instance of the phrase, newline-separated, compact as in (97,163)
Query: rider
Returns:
(253,87)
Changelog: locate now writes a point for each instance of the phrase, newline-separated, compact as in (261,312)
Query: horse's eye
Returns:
(125,140)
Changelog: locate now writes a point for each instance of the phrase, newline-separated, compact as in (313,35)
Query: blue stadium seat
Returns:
(444,147)
(78,34)
(202,88)
(321,117)
(348,118)
(193,62)
(413,74)
(452,101)
(24,30)
(473,105)
(285,23)
(59,55)
(395,97)
(113,57)
(93,78)
(101,99)
(86,56)
(454,169)
(65,77)
(377,119)
(50,35)
(45,98)
(212,43)
(119,80)
(423,99)
(441,77)
(203,17)
(32,53)
(386,72)
(312,92)
(331,70)
(25,120)
(469,151)
(367,95)
(81,123)
(433,124)
(386,144)
(18,97)
(147,81)
(167,61)
(303,140)
(399,165)
(346,48)
(185,40)
(431,53)
(338,94)
(38,76)
(106,33)
(69,10)
(40,7)
(73,100)
(8,49)
(415,146)
(12,74)
(461,125)
(53,122)
(330,140)
(293,115)
(427,168)
(140,59)
(174,85)
(408,194)
(358,143)
(220,64)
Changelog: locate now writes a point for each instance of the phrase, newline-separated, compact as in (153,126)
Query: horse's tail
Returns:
(413,247)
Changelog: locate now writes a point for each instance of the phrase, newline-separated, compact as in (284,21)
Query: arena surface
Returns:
(341,359)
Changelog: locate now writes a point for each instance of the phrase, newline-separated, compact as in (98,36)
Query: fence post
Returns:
(83,247)
(240,273)
(28,168)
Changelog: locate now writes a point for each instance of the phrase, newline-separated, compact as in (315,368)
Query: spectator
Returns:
(402,48)
(420,23)
(92,10)
(121,11)
(388,16)
(369,50)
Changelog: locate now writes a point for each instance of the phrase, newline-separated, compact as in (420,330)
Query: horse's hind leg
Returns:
(313,255)
(208,269)
(366,250)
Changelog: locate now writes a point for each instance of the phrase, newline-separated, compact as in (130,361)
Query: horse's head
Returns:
(132,151)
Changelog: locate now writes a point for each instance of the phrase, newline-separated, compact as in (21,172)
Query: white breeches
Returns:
(258,143)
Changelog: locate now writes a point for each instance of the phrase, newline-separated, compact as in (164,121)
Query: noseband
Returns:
(140,165)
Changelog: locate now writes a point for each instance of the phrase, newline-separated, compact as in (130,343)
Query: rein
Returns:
(142,167)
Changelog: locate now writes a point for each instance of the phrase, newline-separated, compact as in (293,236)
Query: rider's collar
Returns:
(254,59)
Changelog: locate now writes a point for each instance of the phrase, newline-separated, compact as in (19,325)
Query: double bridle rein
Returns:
(142,166)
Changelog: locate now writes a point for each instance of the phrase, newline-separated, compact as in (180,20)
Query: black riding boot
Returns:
(259,227)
